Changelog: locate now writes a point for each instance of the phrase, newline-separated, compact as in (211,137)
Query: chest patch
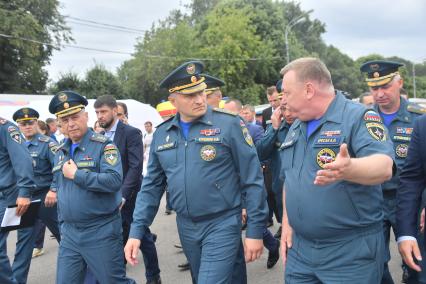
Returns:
(404,130)
(325,156)
(401,150)
(210,132)
(208,153)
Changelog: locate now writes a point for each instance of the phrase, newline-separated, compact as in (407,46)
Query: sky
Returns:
(356,27)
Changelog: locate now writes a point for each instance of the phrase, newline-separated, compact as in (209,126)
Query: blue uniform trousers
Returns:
(98,246)
(213,248)
(49,216)
(358,260)
(7,197)
(389,221)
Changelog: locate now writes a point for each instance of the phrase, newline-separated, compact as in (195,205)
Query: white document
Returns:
(10,218)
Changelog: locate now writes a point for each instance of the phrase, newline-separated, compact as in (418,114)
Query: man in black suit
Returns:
(409,195)
(129,142)
(273,99)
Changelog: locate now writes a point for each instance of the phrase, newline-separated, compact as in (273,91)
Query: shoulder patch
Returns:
(416,108)
(99,138)
(15,134)
(53,147)
(224,111)
(44,138)
(111,154)
(246,134)
(164,122)
(372,116)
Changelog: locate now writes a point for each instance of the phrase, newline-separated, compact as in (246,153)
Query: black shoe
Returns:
(278,234)
(270,223)
(178,245)
(157,280)
(168,211)
(184,266)
(244,226)
(273,257)
(154,237)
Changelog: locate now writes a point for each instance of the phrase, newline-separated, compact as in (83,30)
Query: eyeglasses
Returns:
(27,122)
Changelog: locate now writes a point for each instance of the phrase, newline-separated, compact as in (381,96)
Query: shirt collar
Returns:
(114,126)
(205,119)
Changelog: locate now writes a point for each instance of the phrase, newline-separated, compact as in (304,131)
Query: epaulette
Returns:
(44,138)
(99,138)
(216,109)
(3,121)
(165,121)
(416,108)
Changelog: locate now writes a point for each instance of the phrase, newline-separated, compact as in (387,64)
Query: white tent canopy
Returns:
(139,112)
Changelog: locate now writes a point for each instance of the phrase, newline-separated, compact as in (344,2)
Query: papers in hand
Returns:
(11,221)
(10,218)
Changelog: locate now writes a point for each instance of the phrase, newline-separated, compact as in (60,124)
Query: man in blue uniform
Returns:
(208,159)
(212,91)
(42,150)
(16,186)
(87,178)
(335,156)
(398,116)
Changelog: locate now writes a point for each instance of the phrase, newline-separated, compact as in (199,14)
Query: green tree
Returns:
(21,61)
(99,81)
(66,81)
(229,35)
(166,46)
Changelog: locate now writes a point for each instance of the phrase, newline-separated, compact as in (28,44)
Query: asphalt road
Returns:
(43,268)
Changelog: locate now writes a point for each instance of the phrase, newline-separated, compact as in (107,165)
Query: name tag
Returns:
(167,146)
(208,140)
(401,138)
(86,164)
(324,140)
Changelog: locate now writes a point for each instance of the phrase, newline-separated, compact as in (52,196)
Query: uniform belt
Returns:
(352,234)
(95,221)
(209,217)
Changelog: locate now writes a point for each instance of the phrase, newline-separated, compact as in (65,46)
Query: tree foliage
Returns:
(22,62)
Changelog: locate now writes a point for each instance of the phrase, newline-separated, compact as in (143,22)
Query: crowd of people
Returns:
(337,175)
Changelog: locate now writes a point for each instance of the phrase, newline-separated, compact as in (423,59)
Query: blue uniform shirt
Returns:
(400,128)
(95,191)
(42,150)
(206,173)
(15,161)
(336,210)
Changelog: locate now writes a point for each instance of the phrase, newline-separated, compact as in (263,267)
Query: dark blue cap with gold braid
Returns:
(25,114)
(212,83)
(380,72)
(186,79)
(66,103)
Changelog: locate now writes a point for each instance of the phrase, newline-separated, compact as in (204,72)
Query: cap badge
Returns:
(190,69)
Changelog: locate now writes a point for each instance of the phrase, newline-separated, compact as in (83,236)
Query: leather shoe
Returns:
(184,266)
(273,257)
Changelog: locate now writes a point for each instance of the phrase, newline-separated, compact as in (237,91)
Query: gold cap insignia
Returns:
(190,69)
(66,105)
(25,110)
(374,67)
(62,97)
(193,79)
(376,75)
